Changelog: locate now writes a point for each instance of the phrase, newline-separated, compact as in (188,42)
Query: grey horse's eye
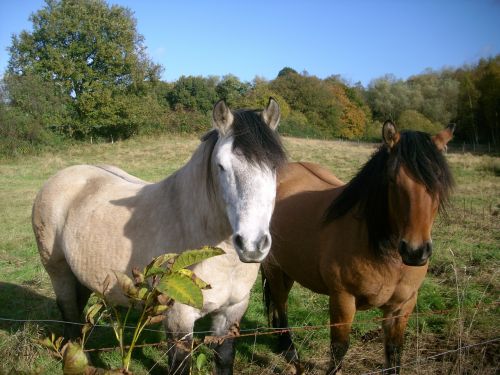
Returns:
(221,168)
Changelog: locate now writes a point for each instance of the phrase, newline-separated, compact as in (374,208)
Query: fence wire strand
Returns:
(261,331)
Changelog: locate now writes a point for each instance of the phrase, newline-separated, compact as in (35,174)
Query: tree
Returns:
(31,114)
(354,114)
(286,71)
(310,96)
(94,55)
(231,89)
(388,97)
(193,93)
(258,96)
(489,102)
(435,95)
(467,106)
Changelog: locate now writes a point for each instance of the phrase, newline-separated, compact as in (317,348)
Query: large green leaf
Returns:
(201,284)
(154,268)
(181,288)
(190,257)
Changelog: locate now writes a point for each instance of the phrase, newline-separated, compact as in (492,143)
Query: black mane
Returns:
(257,142)
(368,190)
(253,138)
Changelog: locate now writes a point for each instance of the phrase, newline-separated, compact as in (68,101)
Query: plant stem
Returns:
(138,330)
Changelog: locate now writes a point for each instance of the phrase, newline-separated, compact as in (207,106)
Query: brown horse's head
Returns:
(418,185)
(398,193)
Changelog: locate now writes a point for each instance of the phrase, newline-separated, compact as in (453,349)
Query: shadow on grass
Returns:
(23,303)
(258,349)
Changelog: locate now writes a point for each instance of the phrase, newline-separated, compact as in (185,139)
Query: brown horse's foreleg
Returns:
(277,286)
(394,325)
(342,310)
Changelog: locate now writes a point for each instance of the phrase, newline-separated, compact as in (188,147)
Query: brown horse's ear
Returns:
(390,134)
(222,116)
(272,114)
(442,138)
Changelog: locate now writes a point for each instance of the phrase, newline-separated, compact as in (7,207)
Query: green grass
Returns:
(463,276)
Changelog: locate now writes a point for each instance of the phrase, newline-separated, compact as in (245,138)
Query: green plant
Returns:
(152,291)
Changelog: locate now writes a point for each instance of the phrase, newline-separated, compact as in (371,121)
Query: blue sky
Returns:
(360,40)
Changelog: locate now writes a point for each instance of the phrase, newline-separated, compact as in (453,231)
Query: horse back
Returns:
(294,178)
(69,196)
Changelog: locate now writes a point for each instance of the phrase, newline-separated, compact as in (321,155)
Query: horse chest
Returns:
(387,286)
(229,278)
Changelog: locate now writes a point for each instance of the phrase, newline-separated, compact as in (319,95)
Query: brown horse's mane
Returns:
(258,143)
(368,190)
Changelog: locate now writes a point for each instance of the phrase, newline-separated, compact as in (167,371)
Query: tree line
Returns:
(83,73)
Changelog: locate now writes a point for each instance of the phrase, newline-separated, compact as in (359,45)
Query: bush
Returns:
(413,120)
(187,122)
(297,125)
(373,132)
(21,133)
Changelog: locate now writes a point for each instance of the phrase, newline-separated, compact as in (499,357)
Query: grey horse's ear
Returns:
(390,134)
(272,114)
(442,138)
(222,116)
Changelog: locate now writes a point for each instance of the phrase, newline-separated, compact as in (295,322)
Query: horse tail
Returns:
(266,295)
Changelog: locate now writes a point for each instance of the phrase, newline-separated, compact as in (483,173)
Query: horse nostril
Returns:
(263,243)
(403,247)
(428,249)
(238,241)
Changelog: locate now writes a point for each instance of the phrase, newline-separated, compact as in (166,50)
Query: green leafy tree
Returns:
(231,89)
(94,55)
(286,71)
(193,93)
(388,97)
(489,102)
(468,98)
(310,96)
(435,95)
(258,96)
(29,109)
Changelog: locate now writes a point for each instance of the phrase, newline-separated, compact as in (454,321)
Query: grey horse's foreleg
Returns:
(224,357)
(179,356)
(70,297)
(179,325)
(227,325)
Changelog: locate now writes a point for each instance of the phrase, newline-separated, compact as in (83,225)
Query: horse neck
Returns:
(199,213)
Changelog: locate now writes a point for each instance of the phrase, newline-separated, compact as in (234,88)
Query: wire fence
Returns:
(262,331)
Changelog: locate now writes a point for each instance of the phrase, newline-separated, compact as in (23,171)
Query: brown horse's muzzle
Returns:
(415,257)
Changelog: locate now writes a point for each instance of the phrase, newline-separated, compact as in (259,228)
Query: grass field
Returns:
(463,282)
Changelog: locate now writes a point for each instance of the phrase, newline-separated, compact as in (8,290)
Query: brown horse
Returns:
(365,244)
